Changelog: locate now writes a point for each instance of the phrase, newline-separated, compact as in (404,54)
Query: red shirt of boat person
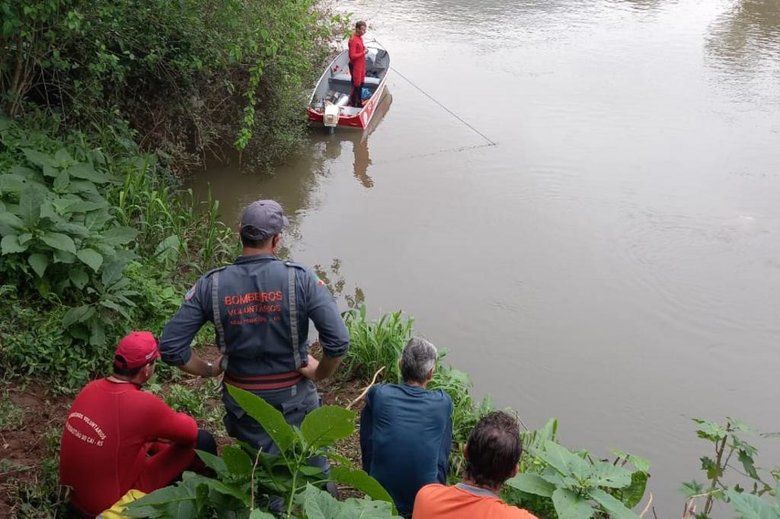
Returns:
(357,63)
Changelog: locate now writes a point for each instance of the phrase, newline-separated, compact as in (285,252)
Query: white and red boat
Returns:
(329,102)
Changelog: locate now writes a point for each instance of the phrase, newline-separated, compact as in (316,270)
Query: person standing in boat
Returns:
(357,63)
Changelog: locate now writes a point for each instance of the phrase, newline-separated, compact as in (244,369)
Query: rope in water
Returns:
(456,116)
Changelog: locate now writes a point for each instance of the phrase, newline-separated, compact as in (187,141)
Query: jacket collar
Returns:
(252,258)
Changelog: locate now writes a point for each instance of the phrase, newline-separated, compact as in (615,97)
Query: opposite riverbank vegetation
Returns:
(103,105)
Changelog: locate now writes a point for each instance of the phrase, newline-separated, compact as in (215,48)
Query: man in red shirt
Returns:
(492,454)
(118,437)
(357,63)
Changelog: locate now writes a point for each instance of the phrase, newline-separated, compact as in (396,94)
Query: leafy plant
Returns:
(244,474)
(376,344)
(465,411)
(58,234)
(728,440)
(573,483)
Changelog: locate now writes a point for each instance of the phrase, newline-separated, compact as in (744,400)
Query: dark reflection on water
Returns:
(335,143)
(747,36)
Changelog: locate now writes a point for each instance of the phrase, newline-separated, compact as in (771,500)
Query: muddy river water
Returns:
(614,259)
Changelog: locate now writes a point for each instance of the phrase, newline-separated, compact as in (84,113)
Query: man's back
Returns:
(463,502)
(108,432)
(405,438)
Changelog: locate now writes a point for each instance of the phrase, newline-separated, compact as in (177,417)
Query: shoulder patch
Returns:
(210,272)
(294,265)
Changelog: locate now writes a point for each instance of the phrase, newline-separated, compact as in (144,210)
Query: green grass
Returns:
(376,344)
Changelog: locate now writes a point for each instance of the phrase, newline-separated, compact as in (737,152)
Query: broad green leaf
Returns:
(85,206)
(10,245)
(91,258)
(691,488)
(310,470)
(59,241)
(563,460)
(61,182)
(748,464)
(12,183)
(168,249)
(174,494)
(215,463)
(236,460)
(633,494)
(327,424)
(85,171)
(749,506)
(48,212)
(223,488)
(97,333)
(38,262)
(615,508)
(119,235)
(318,504)
(610,476)
(709,430)
(361,481)
(78,277)
(63,157)
(259,514)
(641,464)
(73,229)
(61,256)
(38,158)
(25,238)
(11,220)
(266,415)
(532,484)
(77,315)
(83,186)
(30,201)
(569,505)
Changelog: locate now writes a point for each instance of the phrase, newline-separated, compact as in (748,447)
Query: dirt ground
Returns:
(24,443)
(27,441)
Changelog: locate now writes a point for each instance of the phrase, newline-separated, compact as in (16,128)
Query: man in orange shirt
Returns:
(492,454)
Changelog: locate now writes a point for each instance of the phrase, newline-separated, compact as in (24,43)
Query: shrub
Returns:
(376,344)
(244,474)
(79,271)
(188,75)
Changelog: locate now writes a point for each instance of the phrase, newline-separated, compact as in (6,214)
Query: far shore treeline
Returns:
(104,107)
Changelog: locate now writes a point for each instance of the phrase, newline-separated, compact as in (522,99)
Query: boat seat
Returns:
(347,79)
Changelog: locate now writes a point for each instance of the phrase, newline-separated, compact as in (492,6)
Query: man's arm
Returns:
(166,424)
(366,431)
(446,446)
(317,370)
(334,336)
(202,368)
(178,334)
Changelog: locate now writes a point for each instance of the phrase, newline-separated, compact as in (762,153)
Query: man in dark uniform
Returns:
(260,307)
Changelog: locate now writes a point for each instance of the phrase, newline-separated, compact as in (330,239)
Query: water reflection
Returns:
(334,144)
(334,280)
(747,36)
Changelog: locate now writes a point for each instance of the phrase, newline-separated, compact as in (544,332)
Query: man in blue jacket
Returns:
(260,307)
(406,430)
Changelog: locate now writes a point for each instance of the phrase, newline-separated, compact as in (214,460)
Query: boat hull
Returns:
(360,119)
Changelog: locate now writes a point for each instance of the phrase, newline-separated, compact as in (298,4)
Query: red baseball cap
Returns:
(135,350)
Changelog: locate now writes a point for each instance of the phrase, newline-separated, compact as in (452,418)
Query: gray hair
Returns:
(417,360)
